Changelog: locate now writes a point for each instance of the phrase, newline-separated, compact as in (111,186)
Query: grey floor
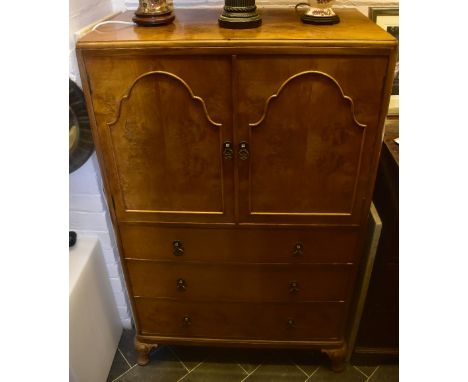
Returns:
(180,363)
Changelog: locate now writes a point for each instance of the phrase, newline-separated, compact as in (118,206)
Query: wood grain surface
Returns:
(228,245)
(199,27)
(308,103)
(312,321)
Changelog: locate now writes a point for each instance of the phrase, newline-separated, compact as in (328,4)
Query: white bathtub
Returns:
(94,324)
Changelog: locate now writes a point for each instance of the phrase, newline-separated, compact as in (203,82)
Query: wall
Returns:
(81,14)
(88,209)
(362,5)
(87,206)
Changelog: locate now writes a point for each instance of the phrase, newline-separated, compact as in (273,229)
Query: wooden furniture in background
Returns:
(239,167)
(364,275)
(377,340)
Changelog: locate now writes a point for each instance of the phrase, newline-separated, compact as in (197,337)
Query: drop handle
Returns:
(177,248)
(293,287)
(228,152)
(298,249)
(291,323)
(244,151)
(181,285)
(187,321)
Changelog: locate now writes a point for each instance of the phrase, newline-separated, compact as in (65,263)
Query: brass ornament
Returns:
(152,13)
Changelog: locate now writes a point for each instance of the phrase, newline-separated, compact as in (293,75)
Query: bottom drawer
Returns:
(271,321)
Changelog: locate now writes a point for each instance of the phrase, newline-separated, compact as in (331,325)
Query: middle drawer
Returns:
(241,282)
(242,245)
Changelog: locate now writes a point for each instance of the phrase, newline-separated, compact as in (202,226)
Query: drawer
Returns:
(242,282)
(260,245)
(272,321)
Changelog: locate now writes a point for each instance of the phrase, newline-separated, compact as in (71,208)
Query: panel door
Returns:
(162,122)
(308,131)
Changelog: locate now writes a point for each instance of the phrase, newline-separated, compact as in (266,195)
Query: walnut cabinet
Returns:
(239,167)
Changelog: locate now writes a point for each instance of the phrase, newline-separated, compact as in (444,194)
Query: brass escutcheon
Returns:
(227,150)
(244,151)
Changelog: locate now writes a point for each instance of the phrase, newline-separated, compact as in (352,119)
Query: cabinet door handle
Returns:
(244,151)
(291,323)
(227,150)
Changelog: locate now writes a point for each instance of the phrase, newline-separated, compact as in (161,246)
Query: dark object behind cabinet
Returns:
(378,333)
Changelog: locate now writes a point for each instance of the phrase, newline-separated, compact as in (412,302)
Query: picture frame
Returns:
(388,19)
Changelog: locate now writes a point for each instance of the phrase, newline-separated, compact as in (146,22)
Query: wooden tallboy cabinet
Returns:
(239,167)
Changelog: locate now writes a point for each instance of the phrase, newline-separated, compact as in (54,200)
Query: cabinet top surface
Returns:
(199,27)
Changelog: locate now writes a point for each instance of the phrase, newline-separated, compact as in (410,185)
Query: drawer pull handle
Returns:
(293,287)
(244,151)
(181,285)
(298,249)
(178,248)
(187,321)
(227,150)
(291,323)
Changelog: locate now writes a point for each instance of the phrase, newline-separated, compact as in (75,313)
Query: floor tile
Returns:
(191,356)
(385,373)
(277,372)
(308,360)
(163,367)
(119,366)
(367,370)
(250,359)
(127,347)
(324,374)
(212,371)
(234,364)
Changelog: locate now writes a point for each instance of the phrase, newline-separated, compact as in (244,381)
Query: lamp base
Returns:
(154,20)
(320,20)
(239,14)
(234,23)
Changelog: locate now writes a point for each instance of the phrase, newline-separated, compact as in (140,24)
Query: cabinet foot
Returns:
(143,351)
(337,358)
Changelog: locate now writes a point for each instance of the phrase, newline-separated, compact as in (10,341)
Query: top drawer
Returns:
(259,245)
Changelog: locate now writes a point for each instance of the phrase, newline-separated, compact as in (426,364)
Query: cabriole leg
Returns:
(337,358)
(143,351)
